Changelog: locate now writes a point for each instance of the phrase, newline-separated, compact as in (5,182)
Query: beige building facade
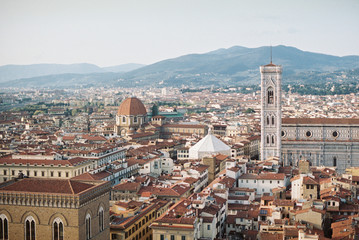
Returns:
(55,209)
(11,168)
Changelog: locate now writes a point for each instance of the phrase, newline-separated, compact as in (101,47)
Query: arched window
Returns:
(30,228)
(272,120)
(135,119)
(88,226)
(272,139)
(267,139)
(270,95)
(101,219)
(267,120)
(58,229)
(334,161)
(4,227)
(123,119)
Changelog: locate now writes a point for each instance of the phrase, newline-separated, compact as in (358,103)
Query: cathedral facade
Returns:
(331,142)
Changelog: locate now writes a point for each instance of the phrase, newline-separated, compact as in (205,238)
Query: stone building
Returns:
(131,116)
(330,142)
(271,112)
(132,119)
(37,208)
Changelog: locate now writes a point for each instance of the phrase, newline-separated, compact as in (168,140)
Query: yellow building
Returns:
(169,130)
(216,164)
(179,223)
(133,219)
(60,209)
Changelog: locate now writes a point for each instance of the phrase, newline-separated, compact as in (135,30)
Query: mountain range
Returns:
(233,66)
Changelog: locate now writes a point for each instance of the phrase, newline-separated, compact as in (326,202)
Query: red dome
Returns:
(132,106)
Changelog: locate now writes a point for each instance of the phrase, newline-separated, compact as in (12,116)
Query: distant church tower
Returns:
(271,112)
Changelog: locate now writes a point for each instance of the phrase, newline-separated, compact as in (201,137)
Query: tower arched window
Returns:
(57,229)
(272,120)
(267,120)
(334,161)
(4,227)
(101,219)
(267,139)
(30,228)
(270,95)
(272,139)
(88,226)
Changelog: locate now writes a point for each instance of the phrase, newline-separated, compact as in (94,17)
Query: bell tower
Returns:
(271,112)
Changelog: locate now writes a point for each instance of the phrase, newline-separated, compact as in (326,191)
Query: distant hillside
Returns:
(237,65)
(124,67)
(12,72)
(66,80)
(223,67)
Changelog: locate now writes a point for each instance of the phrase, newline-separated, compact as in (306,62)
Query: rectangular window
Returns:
(208,227)
(42,173)
(183,238)
(59,173)
(35,173)
(13,172)
(67,174)
(5,172)
(172,237)
(51,174)
(162,237)
(28,173)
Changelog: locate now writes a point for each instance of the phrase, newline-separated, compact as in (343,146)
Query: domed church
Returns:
(131,116)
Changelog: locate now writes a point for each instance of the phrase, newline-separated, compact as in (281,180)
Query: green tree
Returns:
(250,110)
(155,110)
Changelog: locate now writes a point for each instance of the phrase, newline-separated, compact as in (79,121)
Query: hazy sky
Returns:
(106,32)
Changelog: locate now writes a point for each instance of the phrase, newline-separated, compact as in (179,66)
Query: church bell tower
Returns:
(271,112)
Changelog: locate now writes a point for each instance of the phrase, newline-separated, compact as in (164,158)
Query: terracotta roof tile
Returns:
(59,186)
(132,106)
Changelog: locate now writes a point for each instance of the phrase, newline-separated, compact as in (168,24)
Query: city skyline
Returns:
(119,32)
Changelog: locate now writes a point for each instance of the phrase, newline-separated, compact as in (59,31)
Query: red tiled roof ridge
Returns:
(72,189)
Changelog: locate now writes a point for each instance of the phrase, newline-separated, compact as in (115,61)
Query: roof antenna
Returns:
(271,54)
